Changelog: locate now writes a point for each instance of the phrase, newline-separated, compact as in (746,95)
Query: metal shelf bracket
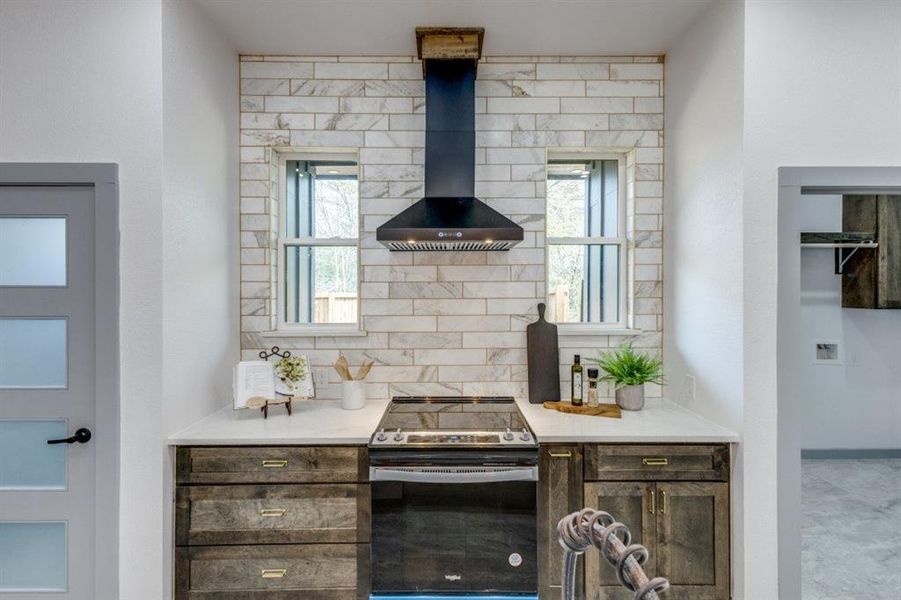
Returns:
(840,242)
(840,260)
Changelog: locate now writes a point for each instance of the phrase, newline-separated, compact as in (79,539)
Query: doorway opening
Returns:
(839,410)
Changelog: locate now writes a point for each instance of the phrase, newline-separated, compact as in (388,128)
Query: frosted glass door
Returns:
(47,392)
(33,353)
(32,251)
(32,557)
(27,461)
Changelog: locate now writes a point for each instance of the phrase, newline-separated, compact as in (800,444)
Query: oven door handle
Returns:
(453,474)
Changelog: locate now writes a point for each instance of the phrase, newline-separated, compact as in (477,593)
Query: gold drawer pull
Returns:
(273,512)
(273,573)
(655,462)
(566,454)
(662,502)
(652,501)
(275,464)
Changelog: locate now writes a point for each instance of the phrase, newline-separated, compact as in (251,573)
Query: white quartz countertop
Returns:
(314,422)
(323,422)
(661,421)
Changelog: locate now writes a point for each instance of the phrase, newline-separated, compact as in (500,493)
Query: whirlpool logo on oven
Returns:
(453,577)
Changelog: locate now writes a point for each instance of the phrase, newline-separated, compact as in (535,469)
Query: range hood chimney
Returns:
(449,217)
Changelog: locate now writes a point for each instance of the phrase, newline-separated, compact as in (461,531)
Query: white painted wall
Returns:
(703,253)
(89,82)
(822,87)
(81,82)
(200,223)
(857,403)
(703,240)
(200,216)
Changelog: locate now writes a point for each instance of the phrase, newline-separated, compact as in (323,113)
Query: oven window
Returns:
(454,538)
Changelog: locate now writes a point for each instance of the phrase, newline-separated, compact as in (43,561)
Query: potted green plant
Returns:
(629,371)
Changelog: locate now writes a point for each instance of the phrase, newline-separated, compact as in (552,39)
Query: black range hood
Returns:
(449,217)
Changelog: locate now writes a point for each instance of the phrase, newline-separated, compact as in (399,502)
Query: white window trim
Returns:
(283,328)
(589,329)
(620,327)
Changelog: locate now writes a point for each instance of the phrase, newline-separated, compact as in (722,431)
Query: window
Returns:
(586,240)
(318,243)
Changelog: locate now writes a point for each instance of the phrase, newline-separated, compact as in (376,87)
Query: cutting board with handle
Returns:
(543,357)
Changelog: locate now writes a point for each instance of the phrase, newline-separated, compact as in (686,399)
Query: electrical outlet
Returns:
(688,391)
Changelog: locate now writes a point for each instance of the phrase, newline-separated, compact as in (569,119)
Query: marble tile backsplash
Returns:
(452,322)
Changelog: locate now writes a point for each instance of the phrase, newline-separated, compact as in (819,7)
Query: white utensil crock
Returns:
(353,395)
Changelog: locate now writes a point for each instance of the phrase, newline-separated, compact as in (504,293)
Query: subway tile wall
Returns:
(452,322)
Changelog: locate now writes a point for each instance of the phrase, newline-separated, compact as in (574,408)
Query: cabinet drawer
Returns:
(653,463)
(272,514)
(267,464)
(312,572)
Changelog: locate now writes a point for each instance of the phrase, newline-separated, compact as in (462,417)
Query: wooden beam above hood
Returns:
(449,42)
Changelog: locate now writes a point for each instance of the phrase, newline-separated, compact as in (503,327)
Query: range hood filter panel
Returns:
(435,224)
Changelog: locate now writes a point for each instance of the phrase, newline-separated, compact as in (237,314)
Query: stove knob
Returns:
(398,437)
(380,436)
(508,435)
(525,435)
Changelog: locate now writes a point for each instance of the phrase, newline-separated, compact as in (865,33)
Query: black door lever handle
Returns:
(82,436)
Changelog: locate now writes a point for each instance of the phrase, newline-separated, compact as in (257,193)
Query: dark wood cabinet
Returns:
(674,499)
(631,503)
(872,277)
(272,523)
(627,462)
(685,527)
(272,514)
(559,494)
(271,464)
(692,548)
(272,572)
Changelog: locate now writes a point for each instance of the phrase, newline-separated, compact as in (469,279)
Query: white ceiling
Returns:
(512,27)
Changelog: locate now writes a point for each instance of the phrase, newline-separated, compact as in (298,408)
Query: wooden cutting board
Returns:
(543,358)
(604,410)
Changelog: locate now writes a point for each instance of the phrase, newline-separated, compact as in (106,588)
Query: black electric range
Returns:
(454,499)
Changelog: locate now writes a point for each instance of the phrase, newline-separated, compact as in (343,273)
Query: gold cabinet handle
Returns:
(275,464)
(659,461)
(652,501)
(273,573)
(560,454)
(662,502)
(273,512)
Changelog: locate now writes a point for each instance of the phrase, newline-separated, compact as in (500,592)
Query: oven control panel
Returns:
(508,438)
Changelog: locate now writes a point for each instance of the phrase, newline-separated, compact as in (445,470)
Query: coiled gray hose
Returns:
(582,530)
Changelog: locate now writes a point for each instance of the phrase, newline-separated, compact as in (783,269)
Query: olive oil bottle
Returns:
(576,379)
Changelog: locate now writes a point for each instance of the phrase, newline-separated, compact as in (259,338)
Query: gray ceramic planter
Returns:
(630,397)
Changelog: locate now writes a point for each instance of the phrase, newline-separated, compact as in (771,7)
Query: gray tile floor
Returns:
(857,502)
